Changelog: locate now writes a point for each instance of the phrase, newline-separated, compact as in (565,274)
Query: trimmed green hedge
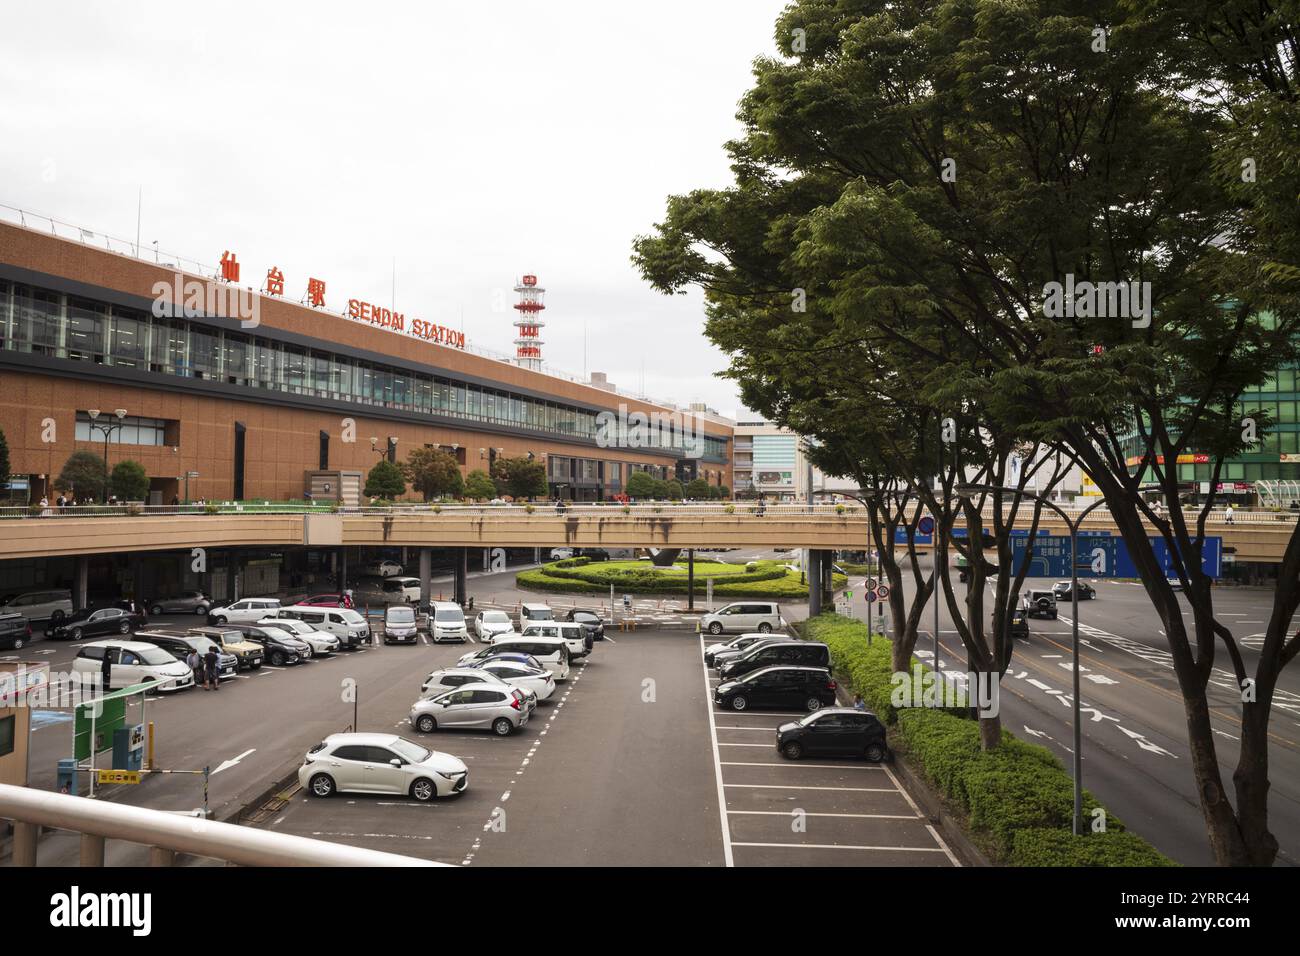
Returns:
(578,576)
(1018,799)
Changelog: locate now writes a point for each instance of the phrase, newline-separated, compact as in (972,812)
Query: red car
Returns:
(328,600)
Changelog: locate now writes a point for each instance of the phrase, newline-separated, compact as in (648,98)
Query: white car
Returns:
(561,554)
(487,623)
(447,623)
(244,611)
(574,635)
(319,642)
(453,678)
(536,680)
(380,763)
(382,569)
(133,662)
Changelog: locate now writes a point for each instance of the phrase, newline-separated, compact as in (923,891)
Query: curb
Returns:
(285,777)
(930,804)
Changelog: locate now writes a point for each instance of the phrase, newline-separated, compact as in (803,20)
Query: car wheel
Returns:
(715,628)
(18,643)
(124,627)
(220,619)
(739,702)
(322,785)
(156,609)
(812,703)
(765,628)
(426,724)
(201,609)
(875,752)
(277,658)
(502,726)
(792,750)
(76,634)
(423,790)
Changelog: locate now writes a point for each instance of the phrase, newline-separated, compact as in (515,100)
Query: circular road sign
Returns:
(925,525)
(883,591)
(871,597)
(871,584)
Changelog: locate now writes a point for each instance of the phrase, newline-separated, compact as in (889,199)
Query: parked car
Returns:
(532,613)
(595,554)
(179,646)
(551,653)
(715,654)
(133,662)
(380,763)
(183,602)
(400,625)
(761,616)
(1040,604)
(48,605)
(534,680)
(232,640)
(1019,625)
(593,623)
(515,657)
(15,631)
(278,647)
(402,589)
(807,688)
(447,623)
(574,635)
(502,708)
(488,623)
(446,679)
(1061,590)
(382,569)
(244,611)
(327,599)
(834,732)
(561,554)
(91,623)
(806,653)
(319,643)
(347,625)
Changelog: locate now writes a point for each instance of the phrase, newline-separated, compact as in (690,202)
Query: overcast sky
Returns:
(471,142)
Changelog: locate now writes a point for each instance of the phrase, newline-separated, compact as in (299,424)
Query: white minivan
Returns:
(533,613)
(133,662)
(447,623)
(551,652)
(761,616)
(573,635)
(342,622)
(244,611)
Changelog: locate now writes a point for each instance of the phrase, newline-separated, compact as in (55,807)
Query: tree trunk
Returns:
(990,732)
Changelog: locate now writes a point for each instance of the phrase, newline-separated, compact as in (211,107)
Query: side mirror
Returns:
(395,762)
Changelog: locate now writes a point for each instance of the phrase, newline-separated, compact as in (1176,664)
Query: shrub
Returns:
(730,509)
(1046,847)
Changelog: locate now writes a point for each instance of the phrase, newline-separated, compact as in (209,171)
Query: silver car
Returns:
(183,602)
(502,708)
(39,605)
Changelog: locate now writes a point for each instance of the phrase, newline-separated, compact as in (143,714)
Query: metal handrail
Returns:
(244,846)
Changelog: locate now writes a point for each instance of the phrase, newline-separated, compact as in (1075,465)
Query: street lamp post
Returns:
(106,428)
(967,491)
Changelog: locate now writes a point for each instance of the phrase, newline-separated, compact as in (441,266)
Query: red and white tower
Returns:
(528,327)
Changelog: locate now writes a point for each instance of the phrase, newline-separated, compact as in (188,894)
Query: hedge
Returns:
(574,576)
(1018,799)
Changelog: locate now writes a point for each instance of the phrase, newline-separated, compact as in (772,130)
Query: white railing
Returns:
(168,833)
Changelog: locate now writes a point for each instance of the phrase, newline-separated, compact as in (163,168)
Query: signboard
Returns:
(926,526)
(921,537)
(871,597)
(883,591)
(1051,556)
(117,776)
(1211,559)
(111,717)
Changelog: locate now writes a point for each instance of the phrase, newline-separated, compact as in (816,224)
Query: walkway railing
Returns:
(168,834)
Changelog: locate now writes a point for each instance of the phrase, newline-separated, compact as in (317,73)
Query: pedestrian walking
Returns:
(210,662)
(196,665)
(859,703)
(106,670)
(1227,514)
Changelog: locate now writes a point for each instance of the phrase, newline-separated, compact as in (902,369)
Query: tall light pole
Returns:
(967,491)
(106,427)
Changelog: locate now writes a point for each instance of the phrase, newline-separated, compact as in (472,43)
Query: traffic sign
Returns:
(871,597)
(117,776)
(926,526)
(883,591)
(871,584)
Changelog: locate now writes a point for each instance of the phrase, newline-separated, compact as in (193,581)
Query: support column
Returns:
(461,575)
(26,836)
(828,577)
(690,579)
(92,850)
(80,597)
(814,577)
(342,564)
(426,577)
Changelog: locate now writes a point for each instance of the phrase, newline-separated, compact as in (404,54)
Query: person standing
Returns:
(1227,514)
(211,661)
(196,665)
(106,669)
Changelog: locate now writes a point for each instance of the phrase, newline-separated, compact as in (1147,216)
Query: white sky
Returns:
(472,142)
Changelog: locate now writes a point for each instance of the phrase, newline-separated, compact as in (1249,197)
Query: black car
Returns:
(805,653)
(15,631)
(1019,625)
(593,624)
(803,688)
(91,623)
(594,554)
(1062,591)
(280,648)
(834,732)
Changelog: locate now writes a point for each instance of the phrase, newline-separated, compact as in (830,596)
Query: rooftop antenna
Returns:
(139,205)
(394,283)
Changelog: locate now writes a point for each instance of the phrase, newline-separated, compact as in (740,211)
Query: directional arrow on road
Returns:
(227,764)
(1036,733)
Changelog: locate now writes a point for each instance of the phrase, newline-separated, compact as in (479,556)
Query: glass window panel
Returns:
(235,350)
(204,353)
(129,338)
(37,320)
(87,322)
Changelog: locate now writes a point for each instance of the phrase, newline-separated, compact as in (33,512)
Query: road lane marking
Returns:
(850,846)
(717,767)
(766,786)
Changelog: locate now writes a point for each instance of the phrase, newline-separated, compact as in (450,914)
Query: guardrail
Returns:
(168,834)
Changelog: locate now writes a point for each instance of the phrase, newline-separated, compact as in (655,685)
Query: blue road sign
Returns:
(926,525)
(900,535)
(1051,557)
(1211,559)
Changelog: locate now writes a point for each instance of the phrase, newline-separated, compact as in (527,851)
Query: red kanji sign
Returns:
(316,292)
(229,266)
(274,281)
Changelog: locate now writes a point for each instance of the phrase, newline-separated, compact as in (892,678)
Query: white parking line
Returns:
(853,816)
(794,765)
(717,770)
(848,846)
(744,745)
(768,786)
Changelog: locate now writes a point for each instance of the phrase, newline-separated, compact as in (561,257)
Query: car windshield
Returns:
(495,617)
(449,615)
(412,752)
(541,614)
(352,617)
(401,615)
(805,721)
(156,656)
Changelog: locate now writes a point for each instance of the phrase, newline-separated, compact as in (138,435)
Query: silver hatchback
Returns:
(502,708)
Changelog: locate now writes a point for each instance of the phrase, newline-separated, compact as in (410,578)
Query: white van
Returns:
(574,635)
(532,613)
(244,611)
(342,622)
(551,652)
(401,589)
(133,662)
(447,623)
(742,616)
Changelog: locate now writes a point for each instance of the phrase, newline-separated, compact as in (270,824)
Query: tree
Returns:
(479,485)
(434,473)
(129,481)
(673,489)
(520,477)
(714,492)
(698,488)
(385,481)
(4,458)
(82,475)
(723,491)
(640,485)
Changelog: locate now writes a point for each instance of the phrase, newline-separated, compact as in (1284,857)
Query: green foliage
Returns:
(385,481)
(640,485)
(580,576)
(724,491)
(520,477)
(129,481)
(479,485)
(698,488)
(1006,792)
(433,473)
(1040,846)
(673,490)
(83,475)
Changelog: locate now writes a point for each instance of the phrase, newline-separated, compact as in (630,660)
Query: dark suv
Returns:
(834,732)
(15,631)
(1040,604)
(806,653)
(803,688)
(279,647)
